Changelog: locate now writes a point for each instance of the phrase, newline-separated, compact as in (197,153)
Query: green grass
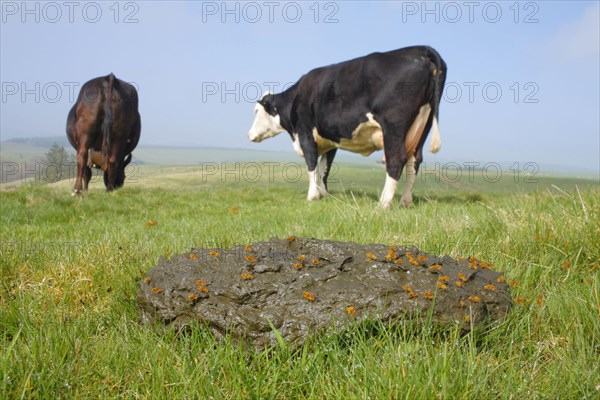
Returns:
(69,325)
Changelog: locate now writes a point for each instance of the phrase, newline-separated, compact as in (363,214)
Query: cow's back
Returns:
(336,98)
(371,76)
(90,107)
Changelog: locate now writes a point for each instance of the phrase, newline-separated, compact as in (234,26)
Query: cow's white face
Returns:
(267,122)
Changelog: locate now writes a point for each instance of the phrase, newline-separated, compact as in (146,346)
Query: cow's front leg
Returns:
(325,167)
(87,176)
(316,190)
(113,166)
(318,181)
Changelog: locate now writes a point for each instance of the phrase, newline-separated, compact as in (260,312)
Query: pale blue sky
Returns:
(199,67)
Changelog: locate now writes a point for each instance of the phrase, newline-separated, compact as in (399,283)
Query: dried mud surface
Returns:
(299,285)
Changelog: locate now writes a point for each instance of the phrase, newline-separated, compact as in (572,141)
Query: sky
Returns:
(522,87)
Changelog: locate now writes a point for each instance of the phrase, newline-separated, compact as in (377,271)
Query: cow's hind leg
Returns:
(411,173)
(394,165)
(86,132)
(412,168)
(395,159)
(389,190)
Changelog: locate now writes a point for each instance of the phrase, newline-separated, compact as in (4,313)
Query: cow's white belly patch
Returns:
(366,138)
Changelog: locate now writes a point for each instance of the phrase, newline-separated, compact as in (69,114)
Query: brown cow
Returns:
(104,127)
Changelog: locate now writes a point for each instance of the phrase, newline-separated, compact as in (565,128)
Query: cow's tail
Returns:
(108,117)
(439,79)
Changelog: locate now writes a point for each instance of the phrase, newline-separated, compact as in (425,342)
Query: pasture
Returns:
(69,324)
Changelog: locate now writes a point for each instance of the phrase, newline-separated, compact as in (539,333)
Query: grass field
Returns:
(69,325)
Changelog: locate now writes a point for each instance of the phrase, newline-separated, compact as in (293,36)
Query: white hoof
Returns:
(389,190)
(313,196)
(385,205)
(316,190)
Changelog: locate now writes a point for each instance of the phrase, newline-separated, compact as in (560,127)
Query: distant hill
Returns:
(31,150)
(24,149)
(45,142)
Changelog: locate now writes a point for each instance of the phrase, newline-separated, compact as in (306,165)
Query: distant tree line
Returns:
(57,165)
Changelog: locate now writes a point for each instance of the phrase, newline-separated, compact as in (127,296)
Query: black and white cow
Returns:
(386,101)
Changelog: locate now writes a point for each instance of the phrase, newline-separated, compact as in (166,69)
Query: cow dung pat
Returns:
(372,281)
